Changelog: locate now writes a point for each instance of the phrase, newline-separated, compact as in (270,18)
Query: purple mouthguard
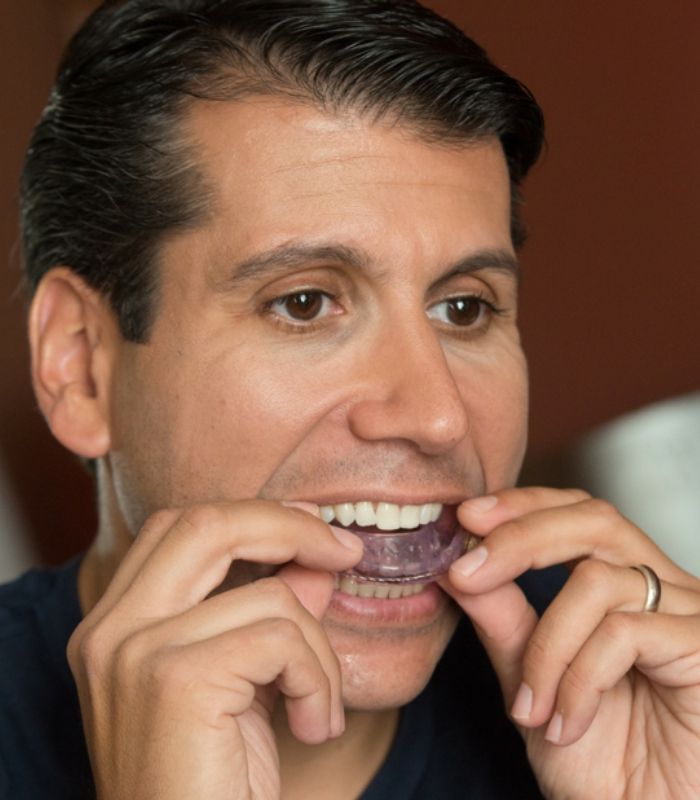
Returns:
(415,556)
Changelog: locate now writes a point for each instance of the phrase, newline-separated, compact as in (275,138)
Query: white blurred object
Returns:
(648,464)
(16,554)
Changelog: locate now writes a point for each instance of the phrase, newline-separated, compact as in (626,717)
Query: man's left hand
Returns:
(606,695)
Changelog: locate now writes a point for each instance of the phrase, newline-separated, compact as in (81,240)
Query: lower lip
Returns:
(418,608)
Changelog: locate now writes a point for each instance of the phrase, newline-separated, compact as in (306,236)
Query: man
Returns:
(272,246)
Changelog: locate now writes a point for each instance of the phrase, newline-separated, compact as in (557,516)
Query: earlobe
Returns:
(68,324)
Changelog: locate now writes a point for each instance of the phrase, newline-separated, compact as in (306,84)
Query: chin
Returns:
(387,668)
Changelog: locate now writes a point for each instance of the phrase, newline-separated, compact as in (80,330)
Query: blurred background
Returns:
(611,297)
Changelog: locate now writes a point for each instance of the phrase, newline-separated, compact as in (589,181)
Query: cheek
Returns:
(497,399)
(217,428)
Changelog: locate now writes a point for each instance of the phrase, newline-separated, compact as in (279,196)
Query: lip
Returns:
(410,612)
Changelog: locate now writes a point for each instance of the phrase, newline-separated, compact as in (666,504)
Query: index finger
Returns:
(482,514)
(538,527)
(193,555)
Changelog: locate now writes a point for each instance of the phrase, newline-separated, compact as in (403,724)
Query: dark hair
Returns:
(109,172)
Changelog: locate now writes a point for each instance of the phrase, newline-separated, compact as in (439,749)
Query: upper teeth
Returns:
(385,516)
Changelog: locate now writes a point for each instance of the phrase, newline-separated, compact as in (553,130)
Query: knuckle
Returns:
(278,593)
(601,510)
(285,631)
(88,648)
(512,529)
(577,495)
(618,626)
(534,494)
(241,694)
(537,654)
(202,517)
(591,575)
(130,655)
(158,520)
(575,682)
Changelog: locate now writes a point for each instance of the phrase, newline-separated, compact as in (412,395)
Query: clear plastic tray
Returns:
(416,556)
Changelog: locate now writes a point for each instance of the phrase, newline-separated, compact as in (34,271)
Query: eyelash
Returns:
(302,327)
(486,306)
(299,326)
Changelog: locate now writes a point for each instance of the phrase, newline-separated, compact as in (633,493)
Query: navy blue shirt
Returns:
(453,741)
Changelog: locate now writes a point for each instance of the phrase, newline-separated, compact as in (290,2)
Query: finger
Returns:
(594,590)
(558,535)
(314,591)
(268,598)
(664,647)
(482,514)
(615,538)
(504,621)
(313,588)
(194,557)
(218,677)
(155,527)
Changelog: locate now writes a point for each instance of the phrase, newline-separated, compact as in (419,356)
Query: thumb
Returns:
(314,588)
(504,621)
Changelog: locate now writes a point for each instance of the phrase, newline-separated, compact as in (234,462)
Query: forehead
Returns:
(281,170)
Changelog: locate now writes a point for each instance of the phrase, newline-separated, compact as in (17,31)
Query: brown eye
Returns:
(303,306)
(464,310)
(470,313)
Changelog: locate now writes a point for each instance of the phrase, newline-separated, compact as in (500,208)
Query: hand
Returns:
(177,686)
(606,696)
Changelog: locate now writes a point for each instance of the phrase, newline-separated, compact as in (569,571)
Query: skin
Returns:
(343,388)
(234,405)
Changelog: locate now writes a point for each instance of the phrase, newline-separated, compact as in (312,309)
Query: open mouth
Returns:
(405,547)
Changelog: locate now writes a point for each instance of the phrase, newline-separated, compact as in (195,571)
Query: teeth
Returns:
(386,516)
(364,514)
(382,591)
(344,513)
(376,589)
(327,513)
(409,517)
(425,513)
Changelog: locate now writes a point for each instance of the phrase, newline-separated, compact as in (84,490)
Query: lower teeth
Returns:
(392,591)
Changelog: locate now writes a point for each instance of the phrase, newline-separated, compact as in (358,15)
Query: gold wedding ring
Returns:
(653,596)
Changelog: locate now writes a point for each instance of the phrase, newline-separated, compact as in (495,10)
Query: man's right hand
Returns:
(177,685)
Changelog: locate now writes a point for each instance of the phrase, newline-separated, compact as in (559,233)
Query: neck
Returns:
(108,548)
(347,764)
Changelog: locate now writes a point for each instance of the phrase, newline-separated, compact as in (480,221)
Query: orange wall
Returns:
(53,492)
(611,299)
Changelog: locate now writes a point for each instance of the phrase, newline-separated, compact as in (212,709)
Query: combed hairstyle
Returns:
(109,172)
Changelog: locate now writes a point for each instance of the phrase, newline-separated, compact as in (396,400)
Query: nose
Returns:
(410,393)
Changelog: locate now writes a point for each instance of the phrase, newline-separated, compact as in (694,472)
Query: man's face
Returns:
(329,336)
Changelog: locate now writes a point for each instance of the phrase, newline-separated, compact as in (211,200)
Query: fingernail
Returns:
(480,504)
(312,508)
(469,564)
(347,539)
(553,734)
(522,707)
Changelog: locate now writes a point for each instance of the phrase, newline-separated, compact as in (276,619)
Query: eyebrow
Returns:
(288,256)
(279,260)
(500,260)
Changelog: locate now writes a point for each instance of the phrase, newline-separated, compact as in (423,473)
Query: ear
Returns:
(71,334)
